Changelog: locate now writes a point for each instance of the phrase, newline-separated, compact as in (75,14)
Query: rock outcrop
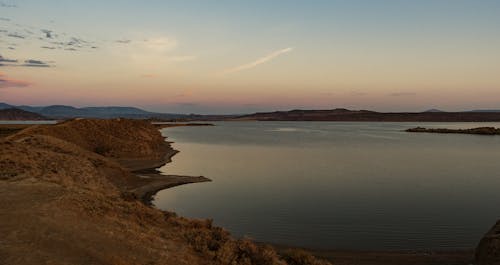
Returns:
(488,250)
(479,130)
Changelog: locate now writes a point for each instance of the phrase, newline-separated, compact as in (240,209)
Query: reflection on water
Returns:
(28,122)
(339,185)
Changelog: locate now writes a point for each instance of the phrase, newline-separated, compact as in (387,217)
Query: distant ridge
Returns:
(5,106)
(337,114)
(67,112)
(13,114)
(434,110)
(486,110)
(341,114)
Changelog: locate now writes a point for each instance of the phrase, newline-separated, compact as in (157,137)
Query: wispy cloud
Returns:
(48,33)
(123,41)
(35,63)
(7,82)
(28,63)
(16,35)
(6,60)
(161,44)
(185,58)
(149,75)
(7,5)
(257,62)
(403,94)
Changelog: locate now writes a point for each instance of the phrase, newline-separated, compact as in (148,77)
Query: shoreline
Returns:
(155,181)
(147,192)
(477,131)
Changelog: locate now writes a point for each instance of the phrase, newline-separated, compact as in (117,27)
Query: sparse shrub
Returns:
(128,196)
(216,243)
(169,215)
(102,150)
(7,174)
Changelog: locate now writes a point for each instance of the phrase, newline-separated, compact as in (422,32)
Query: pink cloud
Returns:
(6,82)
(149,75)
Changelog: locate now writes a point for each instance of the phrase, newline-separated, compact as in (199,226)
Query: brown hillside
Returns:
(121,139)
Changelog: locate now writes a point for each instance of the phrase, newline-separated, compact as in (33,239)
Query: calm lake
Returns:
(347,185)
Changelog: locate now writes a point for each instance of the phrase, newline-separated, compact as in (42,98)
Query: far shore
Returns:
(479,130)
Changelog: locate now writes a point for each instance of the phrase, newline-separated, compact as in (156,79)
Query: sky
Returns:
(245,56)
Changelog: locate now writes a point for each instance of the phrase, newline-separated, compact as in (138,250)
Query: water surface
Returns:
(353,185)
(28,122)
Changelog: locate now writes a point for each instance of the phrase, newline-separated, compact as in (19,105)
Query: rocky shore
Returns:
(479,130)
(488,250)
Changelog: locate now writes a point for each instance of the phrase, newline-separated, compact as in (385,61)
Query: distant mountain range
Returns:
(434,110)
(477,110)
(339,114)
(66,112)
(9,114)
(486,110)
(366,115)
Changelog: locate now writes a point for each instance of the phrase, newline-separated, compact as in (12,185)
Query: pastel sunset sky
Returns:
(245,56)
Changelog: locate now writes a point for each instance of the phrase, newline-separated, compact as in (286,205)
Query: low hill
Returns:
(62,111)
(106,112)
(365,115)
(15,114)
(485,110)
(5,106)
(434,110)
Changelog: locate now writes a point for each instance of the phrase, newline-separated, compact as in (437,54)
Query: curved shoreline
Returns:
(147,192)
(154,180)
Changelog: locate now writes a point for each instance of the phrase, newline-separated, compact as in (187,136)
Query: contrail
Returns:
(256,62)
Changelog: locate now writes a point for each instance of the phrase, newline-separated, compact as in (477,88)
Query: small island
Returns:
(479,130)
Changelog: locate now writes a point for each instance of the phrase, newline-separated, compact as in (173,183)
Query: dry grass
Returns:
(217,244)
